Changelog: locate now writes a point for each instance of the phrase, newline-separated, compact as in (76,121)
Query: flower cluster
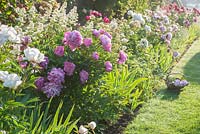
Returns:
(180,83)
(11,81)
(96,14)
(52,85)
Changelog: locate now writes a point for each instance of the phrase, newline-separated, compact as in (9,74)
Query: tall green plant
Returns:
(43,123)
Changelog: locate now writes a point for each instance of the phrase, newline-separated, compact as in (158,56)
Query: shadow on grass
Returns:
(192,69)
(169,95)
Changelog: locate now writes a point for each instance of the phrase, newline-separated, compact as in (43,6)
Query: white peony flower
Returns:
(82,130)
(3,75)
(92,125)
(33,54)
(12,81)
(8,33)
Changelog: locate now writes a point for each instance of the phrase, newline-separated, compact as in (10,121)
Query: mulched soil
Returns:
(122,122)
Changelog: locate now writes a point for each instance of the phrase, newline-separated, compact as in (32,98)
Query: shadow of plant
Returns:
(169,95)
(192,69)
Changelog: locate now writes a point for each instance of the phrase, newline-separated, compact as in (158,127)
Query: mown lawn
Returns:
(170,112)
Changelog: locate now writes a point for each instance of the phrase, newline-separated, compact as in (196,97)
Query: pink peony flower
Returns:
(105,40)
(73,39)
(87,42)
(57,75)
(108,66)
(95,13)
(122,57)
(107,47)
(96,33)
(83,76)
(106,20)
(95,56)
(59,51)
(69,68)
(87,18)
(51,89)
(39,83)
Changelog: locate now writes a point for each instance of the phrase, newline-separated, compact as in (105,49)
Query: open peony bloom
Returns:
(122,57)
(82,130)
(73,39)
(69,68)
(108,66)
(92,125)
(51,89)
(105,40)
(59,51)
(12,81)
(8,33)
(34,55)
(83,76)
(87,42)
(56,75)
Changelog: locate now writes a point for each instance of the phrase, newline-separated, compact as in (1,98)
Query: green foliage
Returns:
(42,122)
(122,85)
(7,10)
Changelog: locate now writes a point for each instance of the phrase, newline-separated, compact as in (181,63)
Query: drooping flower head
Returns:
(122,57)
(69,68)
(73,39)
(83,76)
(108,66)
(56,75)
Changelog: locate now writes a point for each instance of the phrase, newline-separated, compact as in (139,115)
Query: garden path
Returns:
(170,112)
